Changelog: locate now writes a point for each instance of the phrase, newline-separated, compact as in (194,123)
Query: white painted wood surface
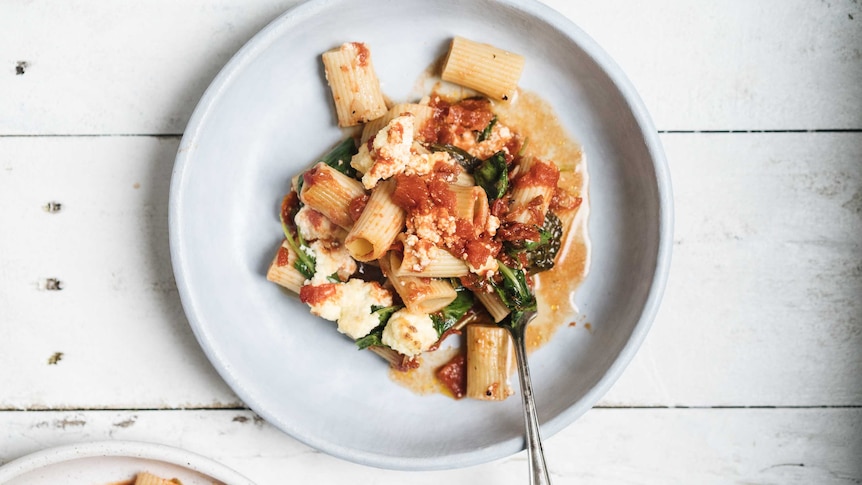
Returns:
(751,373)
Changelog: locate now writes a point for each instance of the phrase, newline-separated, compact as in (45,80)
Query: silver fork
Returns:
(535,454)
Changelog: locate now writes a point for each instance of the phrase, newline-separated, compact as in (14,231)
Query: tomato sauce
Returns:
(440,194)
(316,176)
(356,206)
(314,295)
(453,375)
(540,174)
(283,257)
(411,192)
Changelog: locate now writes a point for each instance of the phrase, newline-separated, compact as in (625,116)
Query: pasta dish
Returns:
(436,218)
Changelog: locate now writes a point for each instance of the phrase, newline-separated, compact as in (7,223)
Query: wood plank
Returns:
(606,446)
(762,306)
(141,67)
(735,65)
(128,67)
(117,324)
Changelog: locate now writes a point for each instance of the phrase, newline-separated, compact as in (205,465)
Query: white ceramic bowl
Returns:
(268,114)
(115,462)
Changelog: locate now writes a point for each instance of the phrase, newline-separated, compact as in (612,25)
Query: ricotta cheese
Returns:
(350,305)
(314,225)
(390,150)
(331,258)
(409,333)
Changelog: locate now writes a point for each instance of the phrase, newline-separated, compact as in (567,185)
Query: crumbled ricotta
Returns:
(394,151)
(409,333)
(501,135)
(330,308)
(314,225)
(331,258)
(492,224)
(362,161)
(432,225)
(350,305)
(358,297)
(423,163)
(390,150)
(422,250)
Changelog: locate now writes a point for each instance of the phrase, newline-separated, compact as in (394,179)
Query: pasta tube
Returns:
(378,226)
(534,188)
(483,67)
(489,361)
(437,263)
(354,84)
(495,306)
(420,295)
(282,270)
(471,204)
(330,192)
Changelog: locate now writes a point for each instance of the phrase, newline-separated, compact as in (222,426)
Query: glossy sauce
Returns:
(423,379)
(529,115)
(535,120)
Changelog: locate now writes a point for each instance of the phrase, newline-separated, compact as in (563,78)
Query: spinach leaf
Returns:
(449,316)
(305,262)
(375,337)
(486,133)
(339,157)
(493,176)
(468,162)
(514,291)
(539,254)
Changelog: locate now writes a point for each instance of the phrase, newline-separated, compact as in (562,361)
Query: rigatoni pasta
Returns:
(282,270)
(377,226)
(483,67)
(330,192)
(422,295)
(431,220)
(354,84)
(489,362)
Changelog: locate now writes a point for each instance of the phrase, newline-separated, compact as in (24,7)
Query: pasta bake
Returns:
(438,217)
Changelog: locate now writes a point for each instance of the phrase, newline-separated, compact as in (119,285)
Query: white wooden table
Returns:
(752,372)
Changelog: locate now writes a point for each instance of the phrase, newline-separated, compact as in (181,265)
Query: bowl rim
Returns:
(294,17)
(125,449)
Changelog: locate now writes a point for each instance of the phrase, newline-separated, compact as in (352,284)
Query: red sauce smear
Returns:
(316,175)
(356,206)
(540,174)
(315,218)
(441,195)
(283,257)
(516,231)
(471,114)
(362,55)
(452,120)
(565,200)
(479,250)
(313,295)
(289,205)
(500,207)
(411,192)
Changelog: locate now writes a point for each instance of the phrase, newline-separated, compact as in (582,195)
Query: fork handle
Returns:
(535,454)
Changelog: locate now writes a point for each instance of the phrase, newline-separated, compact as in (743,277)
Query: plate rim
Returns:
(124,449)
(294,16)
